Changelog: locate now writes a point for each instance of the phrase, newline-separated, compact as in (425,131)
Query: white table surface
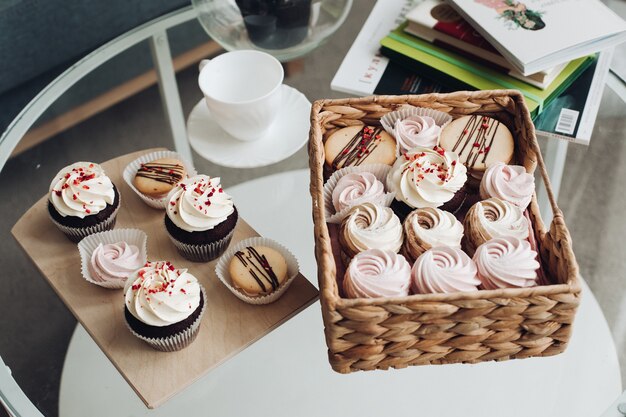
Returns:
(287,372)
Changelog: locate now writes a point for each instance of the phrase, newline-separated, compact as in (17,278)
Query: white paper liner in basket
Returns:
(88,245)
(76,234)
(205,252)
(131,170)
(388,121)
(380,171)
(179,340)
(221,269)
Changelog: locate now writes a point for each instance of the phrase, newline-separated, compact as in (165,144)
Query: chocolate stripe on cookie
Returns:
(259,267)
(167,173)
(479,133)
(358,148)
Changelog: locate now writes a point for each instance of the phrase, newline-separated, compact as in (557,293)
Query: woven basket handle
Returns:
(325,262)
(557,235)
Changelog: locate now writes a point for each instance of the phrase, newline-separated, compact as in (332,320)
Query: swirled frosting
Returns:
(442,270)
(159,294)
(357,188)
(114,262)
(416,131)
(430,227)
(81,189)
(377,273)
(426,177)
(370,226)
(509,183)
(493,218)
(506,262)
(199,203)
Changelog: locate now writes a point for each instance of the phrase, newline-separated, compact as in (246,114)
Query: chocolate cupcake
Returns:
(164,305)
(200,218)
(82,200)
(427,177)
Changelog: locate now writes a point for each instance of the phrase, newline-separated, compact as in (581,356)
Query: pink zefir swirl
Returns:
(357,188)
(506,262)
(416,131)
(114,262)
(444,269)
(377,273)
(509,183)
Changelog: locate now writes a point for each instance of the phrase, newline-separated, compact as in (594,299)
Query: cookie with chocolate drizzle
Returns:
(479,141)
(257,270)
(358,145)
(158,177)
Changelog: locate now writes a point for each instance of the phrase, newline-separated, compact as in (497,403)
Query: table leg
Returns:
(170,97)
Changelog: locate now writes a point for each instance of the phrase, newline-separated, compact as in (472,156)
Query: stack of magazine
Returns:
(422,46)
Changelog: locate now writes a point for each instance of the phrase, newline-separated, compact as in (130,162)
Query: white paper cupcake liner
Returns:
(388,121)
(205,252)
(76,234)
(380,171)
(131,170)
(389,185)
(176,341)
(221,269)
(88,245)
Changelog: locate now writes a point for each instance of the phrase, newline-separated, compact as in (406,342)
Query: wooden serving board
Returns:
(228,326)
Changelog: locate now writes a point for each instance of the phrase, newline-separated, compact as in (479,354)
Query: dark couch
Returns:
(39,39)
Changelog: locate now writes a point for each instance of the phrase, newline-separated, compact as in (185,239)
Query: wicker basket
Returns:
(365,334)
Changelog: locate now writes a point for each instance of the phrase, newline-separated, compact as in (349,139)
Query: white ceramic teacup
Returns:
(242,91)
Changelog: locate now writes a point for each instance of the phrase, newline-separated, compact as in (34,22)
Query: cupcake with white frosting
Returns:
(82,200)
(430,227)
(493,218)
(164,305)
(506,262)
(444,269)
(370,226)
(200,218)
(427,177)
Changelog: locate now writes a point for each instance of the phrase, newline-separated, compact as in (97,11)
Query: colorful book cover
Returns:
(364,71)
(437,22)
(441,18)
(398,80)
(572,115)
(363,66)
(440,64)
(537,34)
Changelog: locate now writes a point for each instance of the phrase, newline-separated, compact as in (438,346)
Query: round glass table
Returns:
(58,369)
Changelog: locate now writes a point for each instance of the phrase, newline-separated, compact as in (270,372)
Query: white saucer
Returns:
(289,133)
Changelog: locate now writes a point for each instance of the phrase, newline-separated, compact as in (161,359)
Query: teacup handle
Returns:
(202,64)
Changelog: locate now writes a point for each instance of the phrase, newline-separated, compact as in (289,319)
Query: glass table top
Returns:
(36,327)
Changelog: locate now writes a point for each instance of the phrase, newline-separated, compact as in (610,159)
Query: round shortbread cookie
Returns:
(257,270)
(479,141)
(158,177)
(358,145)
